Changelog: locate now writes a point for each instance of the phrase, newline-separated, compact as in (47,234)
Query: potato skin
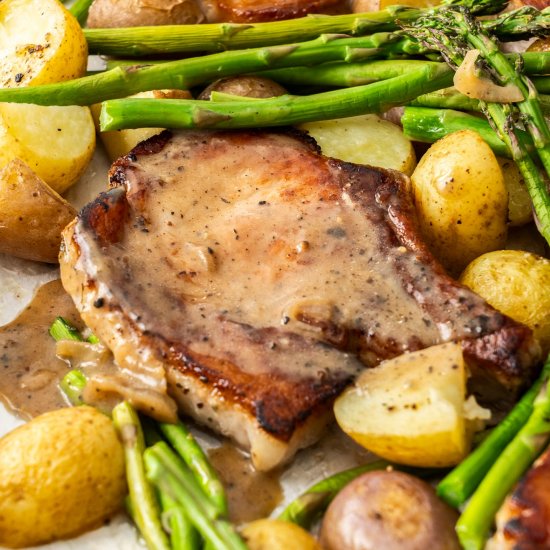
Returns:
(62,473)
(516,283)
(32,215)
(245,86)
(520,206)
(137,13)
(274,534)
(461,199)
(389,510)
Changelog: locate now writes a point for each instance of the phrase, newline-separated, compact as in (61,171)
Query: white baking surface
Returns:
(19,280)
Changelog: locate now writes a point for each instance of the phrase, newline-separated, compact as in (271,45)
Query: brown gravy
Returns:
(30,370)
(251,494)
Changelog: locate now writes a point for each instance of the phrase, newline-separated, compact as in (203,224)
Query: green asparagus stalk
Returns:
(186,73)
(474,523)
(458,485)
(170,474)
(190,451)
(220,37)
(145,508)
(183,536)
(80,10)
(542,84)
(376,97)
(72,385)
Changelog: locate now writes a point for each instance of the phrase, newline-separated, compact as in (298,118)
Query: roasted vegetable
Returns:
(245,86)
(461,199)
(62,473)
(275,534)
(413,409)
(516,283)
(32,215)
(389,510)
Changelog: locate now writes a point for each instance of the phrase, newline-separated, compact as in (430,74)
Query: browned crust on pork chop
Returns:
(260,364)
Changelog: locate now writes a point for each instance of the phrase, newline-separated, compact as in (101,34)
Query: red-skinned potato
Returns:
(389,511)
(245,86)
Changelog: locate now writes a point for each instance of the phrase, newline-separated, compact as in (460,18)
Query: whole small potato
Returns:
(61,474)
(516,283)
(461,199)
(389,511)
(274,534)
(244,86)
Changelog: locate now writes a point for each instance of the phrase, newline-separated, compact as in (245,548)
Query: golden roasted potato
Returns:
(32,215)
(62,473)
(516,283)
(275,534)
(365,139)
(120,142)
(245,86)
(361,6)
(461,199)
(412,409)
(520,206)
(40,43)
(56,142)
(137,13)
(389,511)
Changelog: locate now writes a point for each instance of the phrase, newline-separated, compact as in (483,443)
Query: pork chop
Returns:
(263,276)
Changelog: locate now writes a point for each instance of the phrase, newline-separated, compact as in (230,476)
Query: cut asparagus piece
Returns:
(170,474)
(190,451)
(474,523)
(458,485)
(220,37)
(145,508)
(280,111)
(183,536)
(72,385)
(61,329)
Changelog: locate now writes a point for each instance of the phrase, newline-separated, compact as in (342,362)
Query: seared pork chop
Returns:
(263,276)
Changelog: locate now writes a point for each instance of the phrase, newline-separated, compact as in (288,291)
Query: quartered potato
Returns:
(121,142)
(62,473)
(273,534)
(40,43)
(516,283)
(55,142)
(461,200)
(32,215)
(366,139)
(412,409)
(520,206)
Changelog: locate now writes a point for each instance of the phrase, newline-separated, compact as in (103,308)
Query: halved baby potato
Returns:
(413,409)
(56,142)
(40,43)
(365,139)
(32,215)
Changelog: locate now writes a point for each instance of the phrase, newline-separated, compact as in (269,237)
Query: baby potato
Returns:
(360,6)
(120,142)
(365,139)
(32,215)
(40,43)
(55,142)
(274,534)
(389,511)
(461,199)
(520,206)
(245,86)
(61,474)
(516,283)
(412,409)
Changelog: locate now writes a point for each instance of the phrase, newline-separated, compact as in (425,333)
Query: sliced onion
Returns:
(469,83)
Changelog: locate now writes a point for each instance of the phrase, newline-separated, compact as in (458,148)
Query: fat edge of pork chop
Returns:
(247,373)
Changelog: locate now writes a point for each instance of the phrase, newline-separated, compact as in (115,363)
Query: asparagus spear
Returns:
(474,523)
(219,37)
(459,484)
(72,385)
(429,125)
(167,471)
(183,536)
(145,508)
(376,97)
(62,330)
(80,10)
(542,84)
(190,451)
